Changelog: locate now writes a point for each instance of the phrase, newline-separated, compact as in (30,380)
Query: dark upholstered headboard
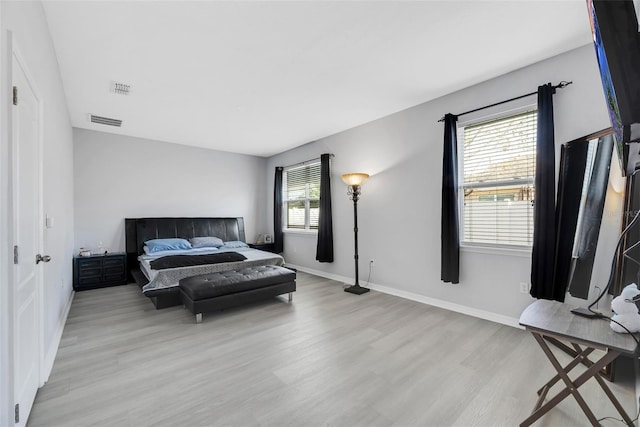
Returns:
(139,230)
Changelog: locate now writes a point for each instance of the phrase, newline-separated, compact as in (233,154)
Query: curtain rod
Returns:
(306,162)
(560,85)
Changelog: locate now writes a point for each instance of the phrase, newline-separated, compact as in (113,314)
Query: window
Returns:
(302,196)
(497,180)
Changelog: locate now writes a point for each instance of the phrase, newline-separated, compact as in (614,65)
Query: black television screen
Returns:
(614,26)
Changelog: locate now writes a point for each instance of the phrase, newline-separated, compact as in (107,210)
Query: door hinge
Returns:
(15,254)
(17,413)
(15,95)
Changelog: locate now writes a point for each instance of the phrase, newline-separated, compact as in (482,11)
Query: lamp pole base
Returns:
(356,289)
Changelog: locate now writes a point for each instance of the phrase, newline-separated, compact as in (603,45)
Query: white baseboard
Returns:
(458,308)
(50,357)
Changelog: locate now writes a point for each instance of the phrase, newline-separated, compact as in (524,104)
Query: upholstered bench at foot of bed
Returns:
(217,291)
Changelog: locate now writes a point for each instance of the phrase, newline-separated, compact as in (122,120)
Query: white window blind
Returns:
(497,184)
(302,196)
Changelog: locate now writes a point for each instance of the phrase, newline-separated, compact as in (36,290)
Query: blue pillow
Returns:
(156,245)
(234,244)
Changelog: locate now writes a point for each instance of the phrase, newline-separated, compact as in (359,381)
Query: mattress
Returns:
(169,278)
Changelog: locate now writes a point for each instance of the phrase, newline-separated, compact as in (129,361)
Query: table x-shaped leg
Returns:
(606,373)
(571,387)
(578,358)
(607,390)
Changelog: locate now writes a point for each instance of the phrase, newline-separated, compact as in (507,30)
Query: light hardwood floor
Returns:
(328,358)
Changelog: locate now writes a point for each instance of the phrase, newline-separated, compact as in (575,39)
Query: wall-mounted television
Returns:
(614,25)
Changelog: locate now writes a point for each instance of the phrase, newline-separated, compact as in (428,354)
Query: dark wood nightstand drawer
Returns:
(95,280)
(90,264)
(269,247)
(114,278)
(98,271)
(118,269)
(112,261)
(89,273)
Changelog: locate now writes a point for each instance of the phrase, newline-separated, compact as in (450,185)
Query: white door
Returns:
(27,229)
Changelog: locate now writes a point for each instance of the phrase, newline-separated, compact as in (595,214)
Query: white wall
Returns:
(399,211)
(26,20)
(119,177)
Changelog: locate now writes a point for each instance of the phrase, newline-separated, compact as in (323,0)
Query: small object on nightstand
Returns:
(101,249)
(267,238)
(84,252)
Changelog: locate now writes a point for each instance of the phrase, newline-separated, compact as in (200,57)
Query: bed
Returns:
(161,284)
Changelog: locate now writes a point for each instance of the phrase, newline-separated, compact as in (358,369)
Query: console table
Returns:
(552,322)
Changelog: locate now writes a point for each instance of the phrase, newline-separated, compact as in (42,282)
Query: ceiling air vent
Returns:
(105,121)
(120,88)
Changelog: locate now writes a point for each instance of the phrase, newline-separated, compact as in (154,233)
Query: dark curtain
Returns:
(592,218)
(278,236)
(573,160)
(544,227)
(449,234)
(324,248)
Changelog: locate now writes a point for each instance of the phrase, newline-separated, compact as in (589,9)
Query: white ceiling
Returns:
(263,77)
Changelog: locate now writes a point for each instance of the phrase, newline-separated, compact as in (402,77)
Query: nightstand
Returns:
(269,247)
(99,271)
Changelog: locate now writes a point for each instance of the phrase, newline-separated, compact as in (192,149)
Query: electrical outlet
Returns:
(524,287)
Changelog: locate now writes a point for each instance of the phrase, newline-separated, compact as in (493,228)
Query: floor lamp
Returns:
(354,181)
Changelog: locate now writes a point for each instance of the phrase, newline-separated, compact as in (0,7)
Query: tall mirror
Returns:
(582,190)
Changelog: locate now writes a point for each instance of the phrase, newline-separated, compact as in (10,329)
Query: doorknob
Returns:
(43,258)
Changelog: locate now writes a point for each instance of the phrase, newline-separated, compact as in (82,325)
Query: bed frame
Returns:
(139,230)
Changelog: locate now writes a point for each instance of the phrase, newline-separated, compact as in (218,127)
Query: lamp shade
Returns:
(355,178)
